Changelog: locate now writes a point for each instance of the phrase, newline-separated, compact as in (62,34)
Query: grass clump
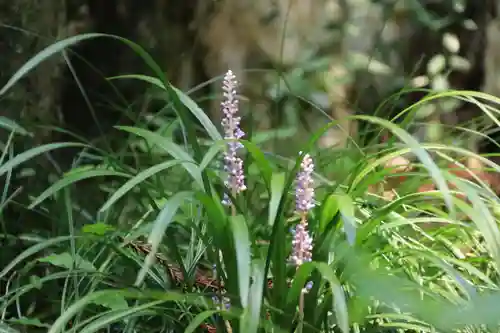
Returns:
(183,243)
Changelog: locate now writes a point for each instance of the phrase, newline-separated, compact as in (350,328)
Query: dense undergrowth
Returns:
(163,254)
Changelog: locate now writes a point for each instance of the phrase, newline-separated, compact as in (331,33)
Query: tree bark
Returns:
(27,27)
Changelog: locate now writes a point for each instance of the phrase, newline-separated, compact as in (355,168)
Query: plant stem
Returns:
(301,311)
(226,322)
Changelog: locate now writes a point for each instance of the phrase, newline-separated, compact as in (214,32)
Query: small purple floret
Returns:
(304,193)
(301,245)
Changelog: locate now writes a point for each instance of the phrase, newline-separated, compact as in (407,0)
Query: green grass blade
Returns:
(160,226)
(251,316)
(261,160)
(421,154)
(33,152)
(301,276)
(242,248)
(63,44)
(185,99)
(212,152)
(32,250)
(346,207)
(339,298)
(111,317)
(44,55)
(12,126)
(277,188)
(78,306)
(72,178)
(139,178)
(178,106)
(199,319)
(170,147)
(329,209)
(485,222)
(4,328)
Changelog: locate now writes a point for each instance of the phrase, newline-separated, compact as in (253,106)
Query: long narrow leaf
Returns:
(33,152)
(72,178)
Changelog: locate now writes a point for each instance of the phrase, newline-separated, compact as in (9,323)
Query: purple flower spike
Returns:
(304,193)
(233,165)
(304,201)
(301,245)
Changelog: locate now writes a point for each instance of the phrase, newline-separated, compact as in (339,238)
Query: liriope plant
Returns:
(354,262)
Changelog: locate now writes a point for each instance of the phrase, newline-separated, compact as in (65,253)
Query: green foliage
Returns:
(144,262)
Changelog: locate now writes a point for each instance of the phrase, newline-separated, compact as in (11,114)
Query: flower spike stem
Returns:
(233,164)
(302,241)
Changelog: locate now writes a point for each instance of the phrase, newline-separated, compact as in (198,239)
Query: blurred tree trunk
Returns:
(78,96)
(492,57)
(27,27)
(160,26)
(52,94)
